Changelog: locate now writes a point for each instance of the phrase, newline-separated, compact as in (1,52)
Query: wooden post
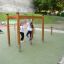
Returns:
(33,29)
(18,30)
(51,30)
(43,28)
(8,30)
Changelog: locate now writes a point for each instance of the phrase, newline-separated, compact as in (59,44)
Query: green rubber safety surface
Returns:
(47,52)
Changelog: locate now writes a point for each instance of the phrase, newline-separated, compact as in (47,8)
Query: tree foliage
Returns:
(40,5)
(37,5)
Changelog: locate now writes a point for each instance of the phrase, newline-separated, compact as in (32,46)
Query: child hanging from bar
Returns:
(30,30)
(22,34)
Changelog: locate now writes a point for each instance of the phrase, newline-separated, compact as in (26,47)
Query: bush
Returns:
(42,13)
(62,14)
(58,14)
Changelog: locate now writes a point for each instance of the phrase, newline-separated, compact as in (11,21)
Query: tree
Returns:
(51,5)
(60,5)
(37,5)
(45,6)
(40,5)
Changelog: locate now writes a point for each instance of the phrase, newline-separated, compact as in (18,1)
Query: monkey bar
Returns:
(18,17)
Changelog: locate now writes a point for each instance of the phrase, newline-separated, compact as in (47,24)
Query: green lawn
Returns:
(47,19)
(3,15)
(47,52)
(53,19)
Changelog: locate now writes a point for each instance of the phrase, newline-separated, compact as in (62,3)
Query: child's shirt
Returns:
(22,29)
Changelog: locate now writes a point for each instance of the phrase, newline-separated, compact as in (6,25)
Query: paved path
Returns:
(49,30)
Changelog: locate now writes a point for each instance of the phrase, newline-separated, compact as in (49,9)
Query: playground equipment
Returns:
(18,17)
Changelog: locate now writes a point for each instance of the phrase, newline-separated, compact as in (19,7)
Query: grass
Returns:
(47,52)
(53,19)
(47,19)
(3,15)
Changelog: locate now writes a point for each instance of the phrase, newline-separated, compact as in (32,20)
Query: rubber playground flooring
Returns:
(47,52)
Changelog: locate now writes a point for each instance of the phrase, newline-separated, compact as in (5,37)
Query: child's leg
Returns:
(27,34)
(31,37)
(20,35)
(22,39)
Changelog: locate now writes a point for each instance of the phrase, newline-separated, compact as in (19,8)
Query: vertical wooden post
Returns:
(18,30)
(51,30)
(8,30)
(33,29)
(43,28)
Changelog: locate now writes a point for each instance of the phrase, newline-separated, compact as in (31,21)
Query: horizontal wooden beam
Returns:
(12,17)
(24,17)
(30,17)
